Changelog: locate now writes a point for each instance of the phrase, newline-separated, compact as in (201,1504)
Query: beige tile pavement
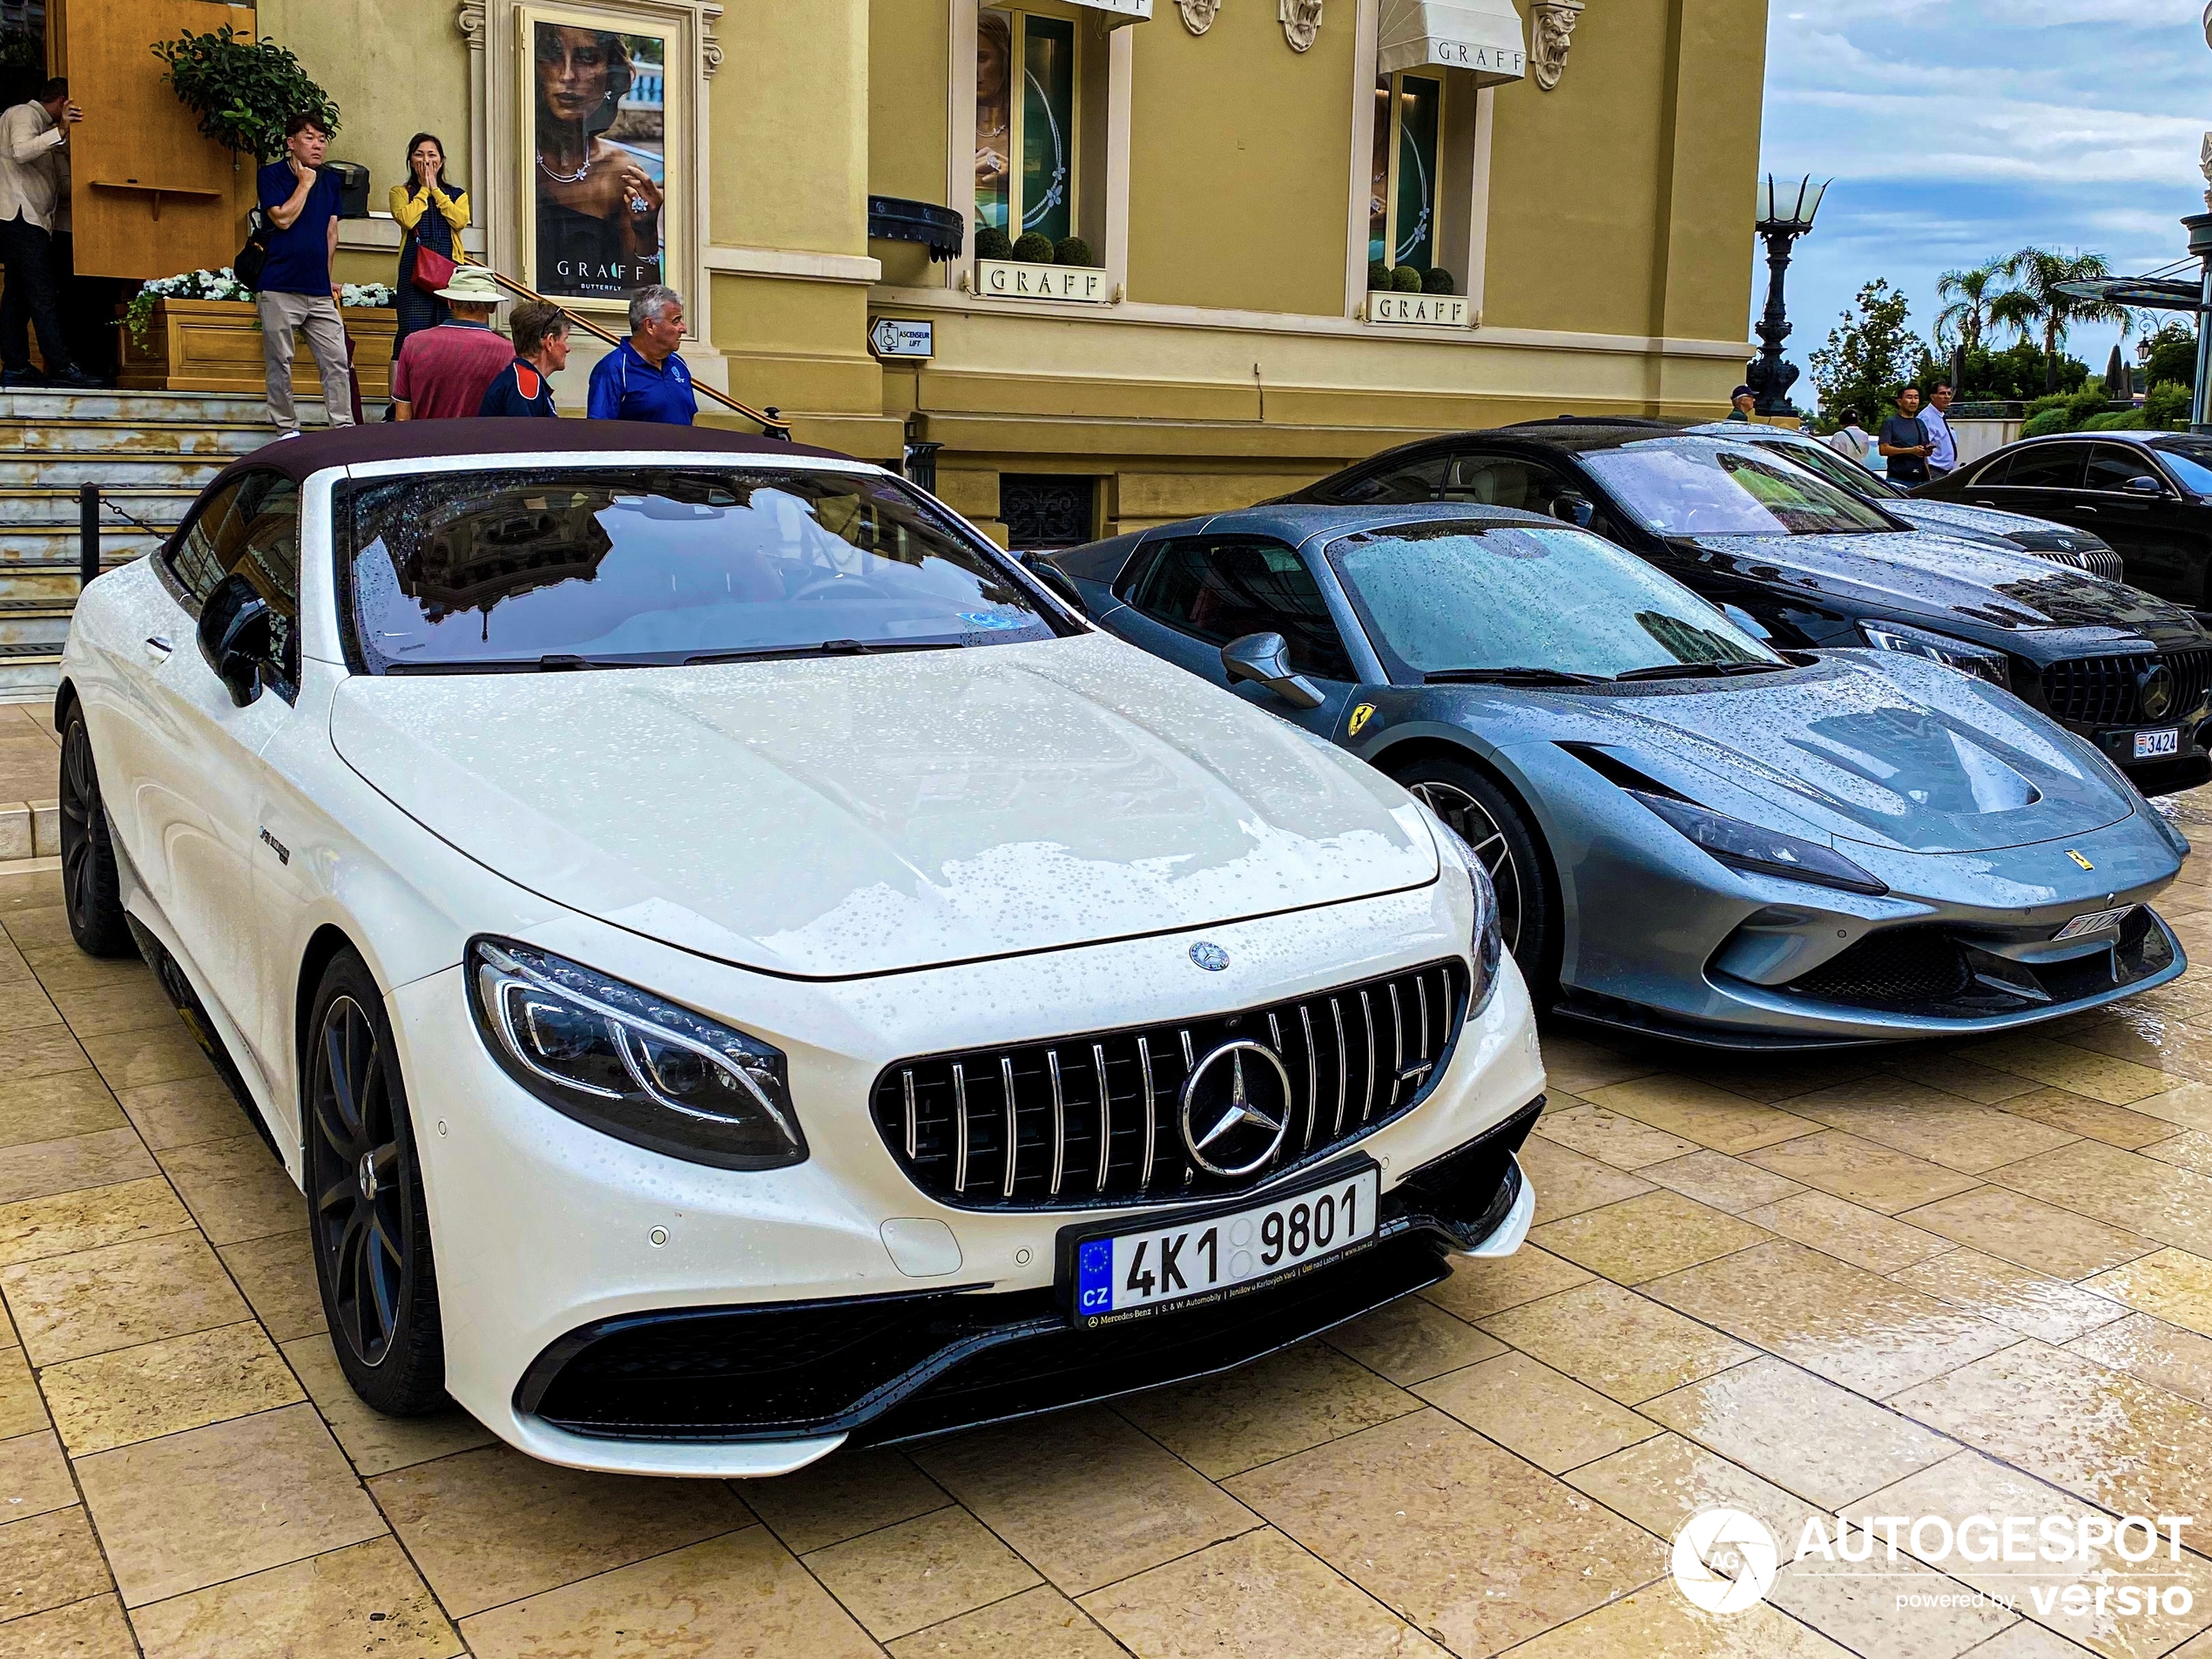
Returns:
(1949,1279)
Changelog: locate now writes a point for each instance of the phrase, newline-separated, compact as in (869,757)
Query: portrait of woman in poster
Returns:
(994,118)
(598,208)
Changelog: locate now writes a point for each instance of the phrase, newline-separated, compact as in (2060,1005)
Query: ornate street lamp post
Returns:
(1784,214)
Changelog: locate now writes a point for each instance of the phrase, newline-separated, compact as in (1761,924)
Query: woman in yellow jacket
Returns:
(433,213)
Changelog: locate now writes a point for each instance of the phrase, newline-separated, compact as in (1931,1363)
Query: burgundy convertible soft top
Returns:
(439,440)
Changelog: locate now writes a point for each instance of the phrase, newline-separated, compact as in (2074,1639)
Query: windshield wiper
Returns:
(1511,676)
(552,663)
(1699,670)
(827,648)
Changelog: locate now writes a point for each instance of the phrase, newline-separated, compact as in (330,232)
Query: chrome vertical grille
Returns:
(1095,1118)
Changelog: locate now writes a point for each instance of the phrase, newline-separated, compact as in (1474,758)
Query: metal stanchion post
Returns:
(88,525)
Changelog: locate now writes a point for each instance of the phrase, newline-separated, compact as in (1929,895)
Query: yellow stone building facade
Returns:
(1581,175)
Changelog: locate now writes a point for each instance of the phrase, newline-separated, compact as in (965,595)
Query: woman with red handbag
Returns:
(433,213)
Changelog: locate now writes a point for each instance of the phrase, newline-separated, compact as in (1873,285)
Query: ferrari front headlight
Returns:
(1761,852)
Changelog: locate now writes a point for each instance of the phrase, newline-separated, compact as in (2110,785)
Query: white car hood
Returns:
(827,818)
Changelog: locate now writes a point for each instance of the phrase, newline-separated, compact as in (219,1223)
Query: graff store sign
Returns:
(1419,310)
(1484,60)
(1007,279)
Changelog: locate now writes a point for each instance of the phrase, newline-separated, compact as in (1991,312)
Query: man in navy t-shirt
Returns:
(300,203)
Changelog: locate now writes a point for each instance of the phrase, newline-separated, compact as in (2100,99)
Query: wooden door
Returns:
(150,196)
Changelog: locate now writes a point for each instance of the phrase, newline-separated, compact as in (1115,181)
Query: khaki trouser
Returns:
(316,314)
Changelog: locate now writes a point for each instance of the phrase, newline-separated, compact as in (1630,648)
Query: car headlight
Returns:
(1762,852)
(1982,663)
(1486,946)
(630,1064)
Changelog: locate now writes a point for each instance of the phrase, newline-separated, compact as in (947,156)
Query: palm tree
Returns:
(2036,301)
(1969,292)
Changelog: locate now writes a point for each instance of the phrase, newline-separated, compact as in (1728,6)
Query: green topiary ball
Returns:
(1406,279)
(992,243)
(1378,278)
(1438,281)
(1071,250)
(1034,248)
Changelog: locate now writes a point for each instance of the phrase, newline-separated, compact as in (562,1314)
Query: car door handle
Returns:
(2091,511)
(158,647)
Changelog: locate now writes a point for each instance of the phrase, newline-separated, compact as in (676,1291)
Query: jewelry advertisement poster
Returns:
(599,108)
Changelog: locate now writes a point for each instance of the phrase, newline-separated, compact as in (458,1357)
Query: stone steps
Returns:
(121,438)
(66,473)
(152,408)
(150,452)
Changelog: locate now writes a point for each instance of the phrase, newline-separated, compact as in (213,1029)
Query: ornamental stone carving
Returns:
(1198,15)
(1301,23)
(469,18)
(1554,21)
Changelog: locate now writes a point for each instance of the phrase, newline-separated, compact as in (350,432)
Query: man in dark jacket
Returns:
(524,387)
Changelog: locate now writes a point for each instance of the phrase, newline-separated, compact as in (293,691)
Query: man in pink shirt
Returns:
(442,373)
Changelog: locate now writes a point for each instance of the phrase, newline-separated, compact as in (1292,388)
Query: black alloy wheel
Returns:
(1492,824)
(365,1201)
(92,894)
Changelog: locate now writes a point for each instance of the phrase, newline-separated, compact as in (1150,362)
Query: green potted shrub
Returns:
(1438,281)
(1072,250)
(1034,247)
(243,90)
(1405,280)
(992,243)
(1378,277)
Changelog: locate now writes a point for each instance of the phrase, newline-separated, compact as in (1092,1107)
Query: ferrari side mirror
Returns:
(1266,658)
(235,634)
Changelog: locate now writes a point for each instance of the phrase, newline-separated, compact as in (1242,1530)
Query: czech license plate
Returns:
(2150,745)
(2095,922)
(1125,1275)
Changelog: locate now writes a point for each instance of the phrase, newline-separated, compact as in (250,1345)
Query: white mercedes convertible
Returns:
(737,966)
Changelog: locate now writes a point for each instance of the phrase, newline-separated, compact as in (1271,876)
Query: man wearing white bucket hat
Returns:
(442,373)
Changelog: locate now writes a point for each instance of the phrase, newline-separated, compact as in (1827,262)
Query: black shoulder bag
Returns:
(247,267)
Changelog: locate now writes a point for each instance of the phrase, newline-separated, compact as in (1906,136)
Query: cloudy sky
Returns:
(1959,129)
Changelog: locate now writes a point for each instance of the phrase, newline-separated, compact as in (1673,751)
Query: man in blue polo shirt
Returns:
(297,290)
(643,379)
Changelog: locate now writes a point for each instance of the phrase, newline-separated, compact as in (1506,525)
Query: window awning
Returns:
(1482,36)
(1122,11)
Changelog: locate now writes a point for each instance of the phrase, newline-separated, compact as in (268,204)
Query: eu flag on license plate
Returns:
(1094,1277)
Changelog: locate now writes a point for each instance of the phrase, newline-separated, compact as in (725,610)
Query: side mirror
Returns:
(2143,484)
(1747,621)
(1054,578)
(235,633)
(1265,657)
(1571,508)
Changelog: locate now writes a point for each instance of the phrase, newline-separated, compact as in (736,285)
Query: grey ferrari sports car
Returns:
(1692,833)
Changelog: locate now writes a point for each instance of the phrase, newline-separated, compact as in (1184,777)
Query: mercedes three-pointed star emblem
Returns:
(1245,1122)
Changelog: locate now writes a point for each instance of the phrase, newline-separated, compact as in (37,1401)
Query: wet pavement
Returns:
(1941,1283)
